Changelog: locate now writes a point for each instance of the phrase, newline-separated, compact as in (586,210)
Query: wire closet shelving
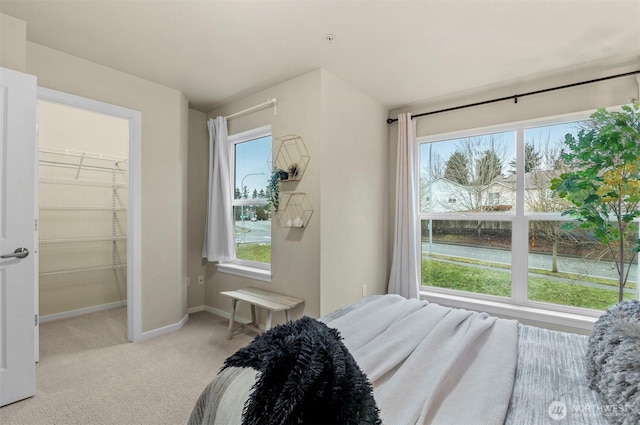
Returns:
(64,167)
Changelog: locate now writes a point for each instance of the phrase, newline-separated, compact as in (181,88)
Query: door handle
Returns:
(18,253)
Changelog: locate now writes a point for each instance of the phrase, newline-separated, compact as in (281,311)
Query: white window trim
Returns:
(248,271)
(517,305)
(561,320)
(238,267)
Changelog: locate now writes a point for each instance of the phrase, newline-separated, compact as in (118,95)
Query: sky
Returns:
(505,141)
(253,156)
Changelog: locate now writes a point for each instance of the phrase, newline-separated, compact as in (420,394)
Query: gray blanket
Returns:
(222,401)
(551,381)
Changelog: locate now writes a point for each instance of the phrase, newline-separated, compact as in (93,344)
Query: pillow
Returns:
(306,375)
(613,362)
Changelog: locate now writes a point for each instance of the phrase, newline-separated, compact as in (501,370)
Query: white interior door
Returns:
(17,235)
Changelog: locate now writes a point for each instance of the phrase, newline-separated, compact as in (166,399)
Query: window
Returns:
(467,255)
(250,169)
(493,198)
(503,238)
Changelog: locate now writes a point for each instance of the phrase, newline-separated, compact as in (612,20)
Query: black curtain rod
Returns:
(516,96)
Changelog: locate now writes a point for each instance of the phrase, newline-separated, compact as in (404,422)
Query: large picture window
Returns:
(504,237)
(252,216)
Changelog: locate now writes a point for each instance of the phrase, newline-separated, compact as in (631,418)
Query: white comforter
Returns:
(431,364)
(428,365)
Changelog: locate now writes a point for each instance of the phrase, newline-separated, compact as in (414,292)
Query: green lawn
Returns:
(569,276)
(254,252)
(480,278)
(495,282)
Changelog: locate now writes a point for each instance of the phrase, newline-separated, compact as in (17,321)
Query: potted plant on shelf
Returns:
(293,171)
(603,185)
(273,191)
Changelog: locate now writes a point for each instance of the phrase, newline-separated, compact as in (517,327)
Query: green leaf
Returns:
(610,143)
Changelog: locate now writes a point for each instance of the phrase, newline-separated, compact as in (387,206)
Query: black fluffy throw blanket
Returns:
(613,362)
(307,376)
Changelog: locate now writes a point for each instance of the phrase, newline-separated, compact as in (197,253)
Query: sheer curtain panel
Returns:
(219,231)
(404,278)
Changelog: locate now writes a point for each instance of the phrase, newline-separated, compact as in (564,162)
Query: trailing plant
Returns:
(603,185)
(273,191)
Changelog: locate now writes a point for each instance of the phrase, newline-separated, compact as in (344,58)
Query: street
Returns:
(258,231)
(539,261)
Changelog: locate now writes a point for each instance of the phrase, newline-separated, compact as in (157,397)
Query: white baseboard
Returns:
(93,309)
(226,315)
(218,312)
(196,309)
(81,311)
(164,330)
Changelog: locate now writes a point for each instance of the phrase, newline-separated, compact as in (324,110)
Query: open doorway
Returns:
(88,195)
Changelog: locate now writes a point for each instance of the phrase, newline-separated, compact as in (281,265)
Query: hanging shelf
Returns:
(291,156)
(295,210)
(89,239)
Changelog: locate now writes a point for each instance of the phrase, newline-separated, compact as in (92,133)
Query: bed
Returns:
(430,364)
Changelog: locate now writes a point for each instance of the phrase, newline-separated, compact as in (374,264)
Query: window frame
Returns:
(520,220)
(237,266)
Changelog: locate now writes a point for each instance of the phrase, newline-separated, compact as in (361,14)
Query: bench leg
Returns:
(286,315)
(267,326)
(254,320)
(232,318)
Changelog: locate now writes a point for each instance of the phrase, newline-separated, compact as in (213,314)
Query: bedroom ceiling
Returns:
(398,52)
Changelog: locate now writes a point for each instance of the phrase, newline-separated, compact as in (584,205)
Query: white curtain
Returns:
(219,232)
(405,277)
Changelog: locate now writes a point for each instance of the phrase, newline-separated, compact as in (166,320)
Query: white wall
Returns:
(164,161)
(344,245)
(582,98)
(354,193)
(198,177)
(66,127)
(13,39)
(295,265)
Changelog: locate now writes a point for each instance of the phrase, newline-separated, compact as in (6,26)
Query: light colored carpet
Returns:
(88,373)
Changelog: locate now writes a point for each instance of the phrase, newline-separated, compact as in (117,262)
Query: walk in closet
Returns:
(83,199)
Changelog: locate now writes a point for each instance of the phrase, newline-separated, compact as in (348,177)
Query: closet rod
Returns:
(65,208)
(271,101)
(79,240)
(515,97)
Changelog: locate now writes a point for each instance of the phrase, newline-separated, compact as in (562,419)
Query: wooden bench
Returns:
(270,301)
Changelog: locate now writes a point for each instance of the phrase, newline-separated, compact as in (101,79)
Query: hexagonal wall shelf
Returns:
(295,210)
(291,155)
